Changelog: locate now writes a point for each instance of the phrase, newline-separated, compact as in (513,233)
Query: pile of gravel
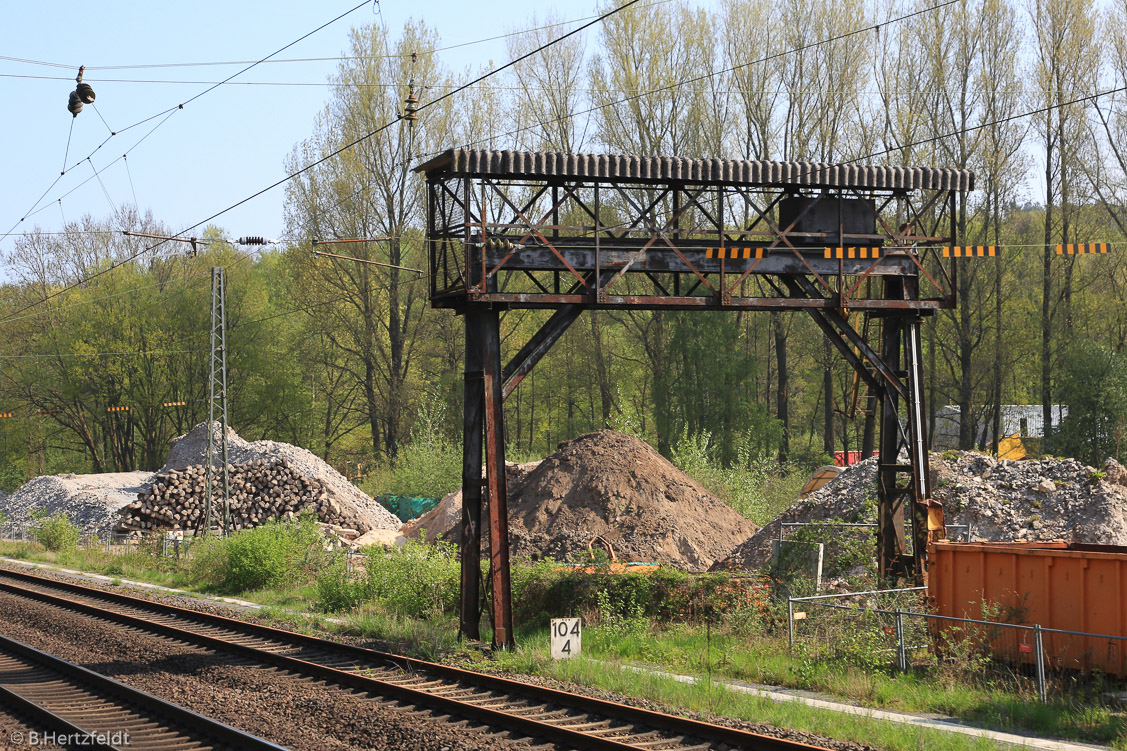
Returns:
(190,449)
(89,501)
(93,501)
(260,492)
(1047,499)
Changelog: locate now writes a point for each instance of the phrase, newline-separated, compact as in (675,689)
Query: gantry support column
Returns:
(913,498)
(927,513)
(890,495)
(472,433)
(495,478)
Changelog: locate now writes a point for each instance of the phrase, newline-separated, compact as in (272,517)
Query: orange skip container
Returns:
(1057,585)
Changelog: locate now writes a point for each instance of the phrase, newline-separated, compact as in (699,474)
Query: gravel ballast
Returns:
(272,705)
(473,740)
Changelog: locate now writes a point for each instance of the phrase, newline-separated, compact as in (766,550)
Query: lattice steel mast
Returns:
(217,398)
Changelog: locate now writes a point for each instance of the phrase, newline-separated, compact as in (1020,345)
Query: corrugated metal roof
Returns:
(610,167)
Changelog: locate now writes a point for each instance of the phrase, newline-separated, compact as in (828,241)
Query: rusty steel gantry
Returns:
(569,232)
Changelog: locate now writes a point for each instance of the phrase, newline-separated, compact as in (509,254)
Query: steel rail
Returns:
(342,664)
(97,712)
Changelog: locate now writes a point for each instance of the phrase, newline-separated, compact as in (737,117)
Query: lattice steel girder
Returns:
(497,221)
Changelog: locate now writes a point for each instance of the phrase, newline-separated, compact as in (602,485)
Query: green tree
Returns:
(1094,386)
(373,315)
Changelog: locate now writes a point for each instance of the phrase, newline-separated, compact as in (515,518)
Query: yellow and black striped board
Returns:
(1073,249)
(969,251)
(174,404)
(734,253)
(117,409)
(853,252)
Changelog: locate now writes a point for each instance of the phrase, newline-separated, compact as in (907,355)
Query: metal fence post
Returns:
(1040,663)
(790,622)
(901,647)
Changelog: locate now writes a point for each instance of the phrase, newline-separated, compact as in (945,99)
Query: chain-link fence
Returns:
(884,629)
(121,544)
(831,549)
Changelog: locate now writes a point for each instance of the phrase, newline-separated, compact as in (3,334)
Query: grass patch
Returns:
(703,696)
(709,627)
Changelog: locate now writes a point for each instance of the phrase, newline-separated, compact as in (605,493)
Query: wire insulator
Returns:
(410,106)
(74,104)
(85,92)
(251,241)
(500,243)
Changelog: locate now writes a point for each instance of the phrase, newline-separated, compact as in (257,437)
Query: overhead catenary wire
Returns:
(866,91)
(66,153)
(365,260)
(171,110)
(342,149)
(113,209)
(99,114)
(105,167)
(129,173)
(209,63)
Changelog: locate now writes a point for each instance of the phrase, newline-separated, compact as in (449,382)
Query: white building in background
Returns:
(1023,419)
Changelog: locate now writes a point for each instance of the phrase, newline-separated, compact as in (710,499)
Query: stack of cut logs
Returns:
(260,492)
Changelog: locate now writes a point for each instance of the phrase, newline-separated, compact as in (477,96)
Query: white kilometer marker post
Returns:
(567,638)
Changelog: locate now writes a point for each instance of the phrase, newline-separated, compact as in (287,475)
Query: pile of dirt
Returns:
(614,486)
(90,501)
(444,521)
(190,449)
(1047,499)
(617,487)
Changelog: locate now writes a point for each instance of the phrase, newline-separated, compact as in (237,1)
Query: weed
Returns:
(274,554)
(55,533)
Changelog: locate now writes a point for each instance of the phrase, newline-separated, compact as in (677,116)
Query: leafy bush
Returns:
(1094,384)
(418,579)
(755,484)
(277,554)
(55,533)
(430,464)
(415,580)
(338,590)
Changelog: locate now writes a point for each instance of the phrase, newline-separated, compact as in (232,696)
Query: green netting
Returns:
(406,507)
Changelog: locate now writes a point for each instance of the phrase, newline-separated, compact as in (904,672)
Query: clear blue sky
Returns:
(219,148)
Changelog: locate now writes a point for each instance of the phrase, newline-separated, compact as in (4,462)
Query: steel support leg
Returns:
(927,514)
(495,476)
(472,432)
(890,497)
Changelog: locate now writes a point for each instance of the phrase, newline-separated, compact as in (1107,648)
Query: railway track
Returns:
(70,706)
(534,713)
